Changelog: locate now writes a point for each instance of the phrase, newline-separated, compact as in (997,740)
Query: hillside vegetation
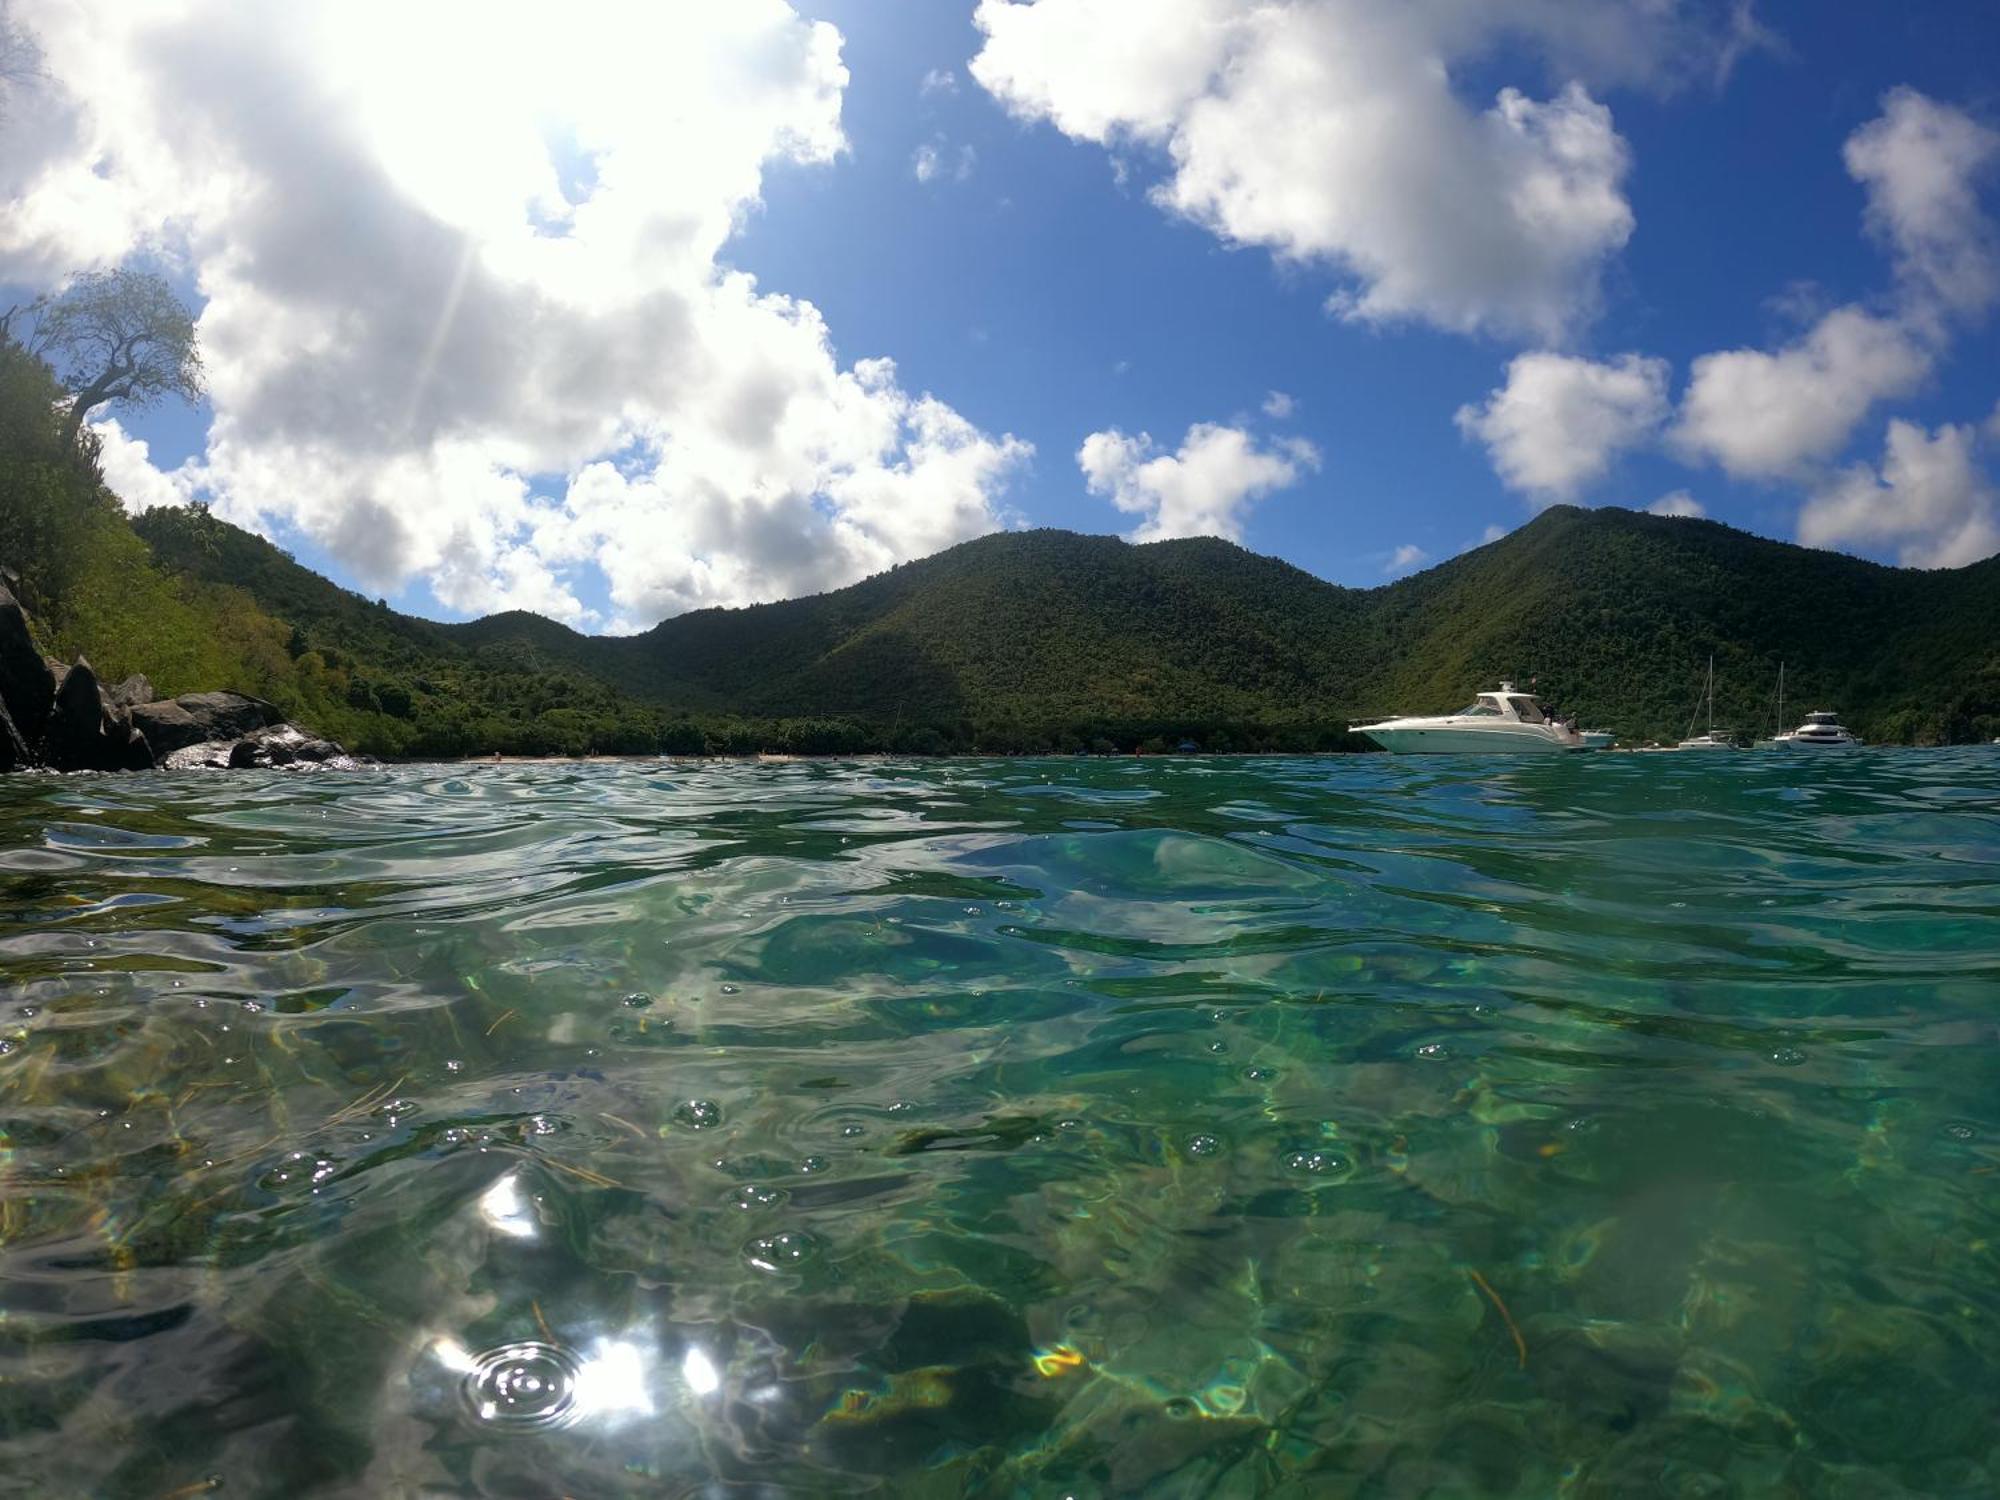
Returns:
(1022,641)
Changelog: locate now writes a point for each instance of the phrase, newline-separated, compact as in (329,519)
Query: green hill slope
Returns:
(1049,639)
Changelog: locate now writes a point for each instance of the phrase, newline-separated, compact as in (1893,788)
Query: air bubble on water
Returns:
(785,1251)
(1180,1408)
(1259,1075)
(901,1107)
(5,1046)
(1959,1131)
(813,1164)
(454,1065)
(638,1000)
(1069,1124)
(524,1386)
(394,1110)
(698,1114)
(1434,1051)
(1203,1145)
(1219,1048)
(1788,1057)
(1313,1163)
(852,1130)
(297,1169)
(543,1125)
(253,1006)
(730,989)
(755,1195)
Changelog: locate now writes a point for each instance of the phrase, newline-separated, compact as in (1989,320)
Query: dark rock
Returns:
(134,690)
(194,718)
(27,686)
(86,732)
(138,754)
(243,755)
(280,753)
(13,748)
(319,750)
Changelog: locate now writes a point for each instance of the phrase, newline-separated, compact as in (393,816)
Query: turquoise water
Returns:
(1614,1126)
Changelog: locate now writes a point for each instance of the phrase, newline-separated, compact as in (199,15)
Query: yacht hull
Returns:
(1417,740)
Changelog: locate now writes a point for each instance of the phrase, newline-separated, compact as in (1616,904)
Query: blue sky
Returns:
(1036,288)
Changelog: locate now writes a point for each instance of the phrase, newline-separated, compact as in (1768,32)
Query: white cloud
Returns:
(935,159)
(1921,163)
(1404,558)
(1278,406)
(1331,131)
(1678,503)
(131,475)
(1931,500)
(438,298)
(937,81)
(1766,416)
(1204,489)
(1559,421)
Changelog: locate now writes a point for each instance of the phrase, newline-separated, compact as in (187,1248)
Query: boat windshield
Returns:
(1525,710)
(1479,710)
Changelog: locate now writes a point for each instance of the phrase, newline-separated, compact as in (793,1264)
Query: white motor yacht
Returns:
(1821,731)
(1505,722)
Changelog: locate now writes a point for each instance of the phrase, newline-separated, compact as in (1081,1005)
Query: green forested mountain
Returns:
(1048,639)
(1038,640)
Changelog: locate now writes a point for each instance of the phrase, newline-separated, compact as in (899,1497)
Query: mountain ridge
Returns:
(1038,638)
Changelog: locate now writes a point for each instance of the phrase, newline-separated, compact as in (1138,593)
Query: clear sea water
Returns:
(1612,1126)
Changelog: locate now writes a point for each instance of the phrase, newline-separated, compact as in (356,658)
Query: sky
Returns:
(612,311)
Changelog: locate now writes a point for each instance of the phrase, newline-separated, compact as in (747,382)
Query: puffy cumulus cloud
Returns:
(1930,500)
(1331,131)
(1922,163)
(1404,558)
(456,260)
(1678,503)
(131,475)
(1203,489)
(1765,416)
(1559,421)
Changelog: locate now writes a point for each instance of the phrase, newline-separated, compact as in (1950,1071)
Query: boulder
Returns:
(195,718)
(243,755)
(27,686)
(14,753)
(87,732)
(134,690)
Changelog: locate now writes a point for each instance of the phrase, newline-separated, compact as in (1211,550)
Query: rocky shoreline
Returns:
(63,718)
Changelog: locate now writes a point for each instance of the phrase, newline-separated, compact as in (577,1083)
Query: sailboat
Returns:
(1780,736)
(1708,741)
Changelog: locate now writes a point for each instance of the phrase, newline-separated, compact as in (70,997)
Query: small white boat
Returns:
(1821,731)
(1710,740)
(1505,722)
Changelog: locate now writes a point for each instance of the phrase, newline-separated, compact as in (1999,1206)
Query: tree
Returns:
(20,58)
(116,336)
